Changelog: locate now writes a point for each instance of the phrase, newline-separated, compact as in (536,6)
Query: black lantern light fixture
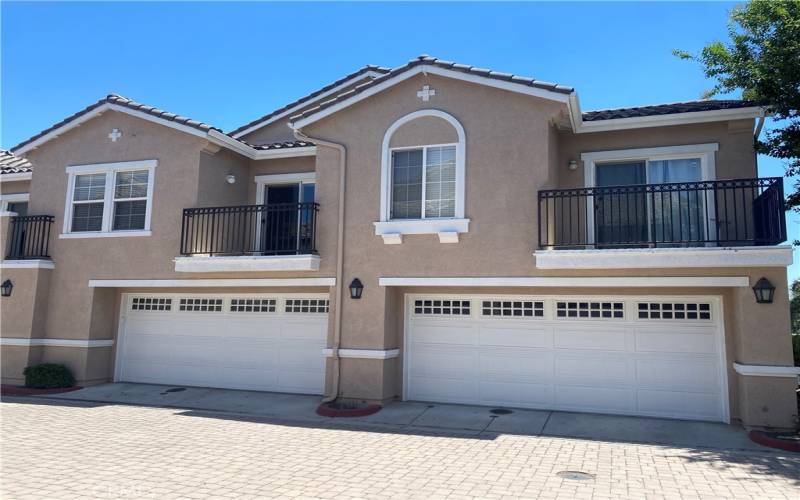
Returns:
(356,289)
(764,290)
(7,286)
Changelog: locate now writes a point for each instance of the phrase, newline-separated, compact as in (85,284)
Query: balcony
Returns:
(275,237)
(29,237)
(660,219)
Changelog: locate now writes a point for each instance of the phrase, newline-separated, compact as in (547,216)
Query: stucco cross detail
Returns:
(426,93)
(114,135)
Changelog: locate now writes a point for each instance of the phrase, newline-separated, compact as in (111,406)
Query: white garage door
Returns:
(654,356)
(256,342)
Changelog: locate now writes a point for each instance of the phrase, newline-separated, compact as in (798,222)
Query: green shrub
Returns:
(796,349)
(48,376)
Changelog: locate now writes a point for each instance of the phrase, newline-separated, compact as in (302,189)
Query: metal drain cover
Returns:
(575,475)
(500,411)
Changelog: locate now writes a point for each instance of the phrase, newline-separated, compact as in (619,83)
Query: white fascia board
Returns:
(640,258)
(622,154)
(55,342)
(155,119)
(669,119)
(104,167)
(767,370)
(293,109)
(431,70)
(247,263)
(19,176)
(285,178)
(208,283)
(589,282)
(271,154)
(363,353)
(27,264)
(228,142)
(60,130)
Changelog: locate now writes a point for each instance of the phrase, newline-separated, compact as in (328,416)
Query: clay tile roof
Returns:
(311,96)
(128,103)
(425,59)
(666,109)
(10,164)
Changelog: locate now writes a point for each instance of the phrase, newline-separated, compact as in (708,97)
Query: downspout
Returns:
(759,126)
(337,312)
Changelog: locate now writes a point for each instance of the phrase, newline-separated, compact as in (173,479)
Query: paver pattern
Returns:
(81,450)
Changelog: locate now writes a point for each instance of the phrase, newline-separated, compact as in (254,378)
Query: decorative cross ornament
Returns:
(426,93)
(114,135)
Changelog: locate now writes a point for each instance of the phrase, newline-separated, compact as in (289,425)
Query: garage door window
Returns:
(253,305)
(442,307)
(675,310)
(589,310)
(201,305)
(151,304)
(307,306)
(513,308)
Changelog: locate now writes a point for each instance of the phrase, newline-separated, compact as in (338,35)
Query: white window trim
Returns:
(706,153)
(7,199)
(392,230)
(262,181)
(108,200)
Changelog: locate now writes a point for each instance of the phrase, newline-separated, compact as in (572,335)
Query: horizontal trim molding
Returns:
(777,256)
(16,176)
(55,342)
(618,154)
(247,263)
(766,370)
(27,264)
(102,234)
(591,282)
(208,283)
(363,353)
(667,120)
(393,230)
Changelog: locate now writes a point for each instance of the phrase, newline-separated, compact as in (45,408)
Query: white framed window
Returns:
(16,202)
(109,199)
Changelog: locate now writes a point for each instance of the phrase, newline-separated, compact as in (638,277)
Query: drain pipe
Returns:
(337,312)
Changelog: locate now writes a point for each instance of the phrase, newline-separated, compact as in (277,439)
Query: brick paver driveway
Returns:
(72,450)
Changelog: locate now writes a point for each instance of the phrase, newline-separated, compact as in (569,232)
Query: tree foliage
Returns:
(762,59)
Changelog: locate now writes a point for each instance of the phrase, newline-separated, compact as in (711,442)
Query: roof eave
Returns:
(16,176)
(670,119)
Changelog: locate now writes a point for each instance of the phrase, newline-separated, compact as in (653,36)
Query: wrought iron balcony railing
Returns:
(29,237)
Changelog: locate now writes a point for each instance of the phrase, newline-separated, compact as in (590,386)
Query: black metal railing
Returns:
(276,229)
(29,237)
(732,212)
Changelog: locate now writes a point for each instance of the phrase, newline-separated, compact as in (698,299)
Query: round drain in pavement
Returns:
(575,475)
(176,389)
(501,411)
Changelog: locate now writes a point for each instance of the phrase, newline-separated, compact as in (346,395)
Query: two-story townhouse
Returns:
(432,232)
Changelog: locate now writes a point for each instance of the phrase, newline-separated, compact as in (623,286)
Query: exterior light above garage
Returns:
(7,286)
(356,289)
(764,290)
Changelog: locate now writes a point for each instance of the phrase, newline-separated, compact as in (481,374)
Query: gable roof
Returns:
(369,71)
(667,109)
(11,164)
(433,65)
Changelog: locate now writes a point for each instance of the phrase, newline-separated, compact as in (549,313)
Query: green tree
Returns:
(762,59)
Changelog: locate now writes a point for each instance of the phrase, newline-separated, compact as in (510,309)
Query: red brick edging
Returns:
(15,390)
(765,439)
(326,411)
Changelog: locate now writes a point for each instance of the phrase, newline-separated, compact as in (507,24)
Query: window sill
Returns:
(100,234)
(392,231)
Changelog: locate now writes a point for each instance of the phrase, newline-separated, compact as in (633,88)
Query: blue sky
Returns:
(227,63)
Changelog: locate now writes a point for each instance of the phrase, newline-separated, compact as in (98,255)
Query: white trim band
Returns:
(363,353)
(17,176)
(247,263)
(188,283)
(766,370)
(777,256)
(27,264)
(55,342)
(587,282)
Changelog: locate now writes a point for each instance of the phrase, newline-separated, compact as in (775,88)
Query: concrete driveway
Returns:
(200,443)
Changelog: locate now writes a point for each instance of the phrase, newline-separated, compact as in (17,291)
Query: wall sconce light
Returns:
(356,289)
(7,286)
(230,179)
(764,290)
(573,165)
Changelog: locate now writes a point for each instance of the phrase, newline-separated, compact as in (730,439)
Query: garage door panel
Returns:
(516,394)
(439,333)
(448,390)
(595,398)
(515,365)
(684,341)
(592,337)
(252,328)
(680,404)
(678,375)
(433,361)
(595,369)
(516,335)
(312,330)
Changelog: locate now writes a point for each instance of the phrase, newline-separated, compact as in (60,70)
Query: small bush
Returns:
(48,376)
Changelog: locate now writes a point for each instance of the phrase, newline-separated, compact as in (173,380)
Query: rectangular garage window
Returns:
(201,305)
(513,308)
(151,304)
(253,305)
(589,310)
(675,310)
(442,307)
(306,305)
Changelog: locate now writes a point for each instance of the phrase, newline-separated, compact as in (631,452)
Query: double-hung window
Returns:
(111,199)
(424,182)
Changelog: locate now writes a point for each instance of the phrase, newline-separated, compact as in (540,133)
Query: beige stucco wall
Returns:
(14,187)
